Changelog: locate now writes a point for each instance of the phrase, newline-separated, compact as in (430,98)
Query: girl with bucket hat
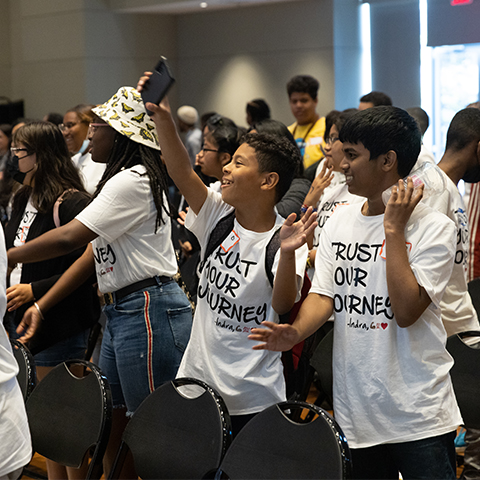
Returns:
(128,222)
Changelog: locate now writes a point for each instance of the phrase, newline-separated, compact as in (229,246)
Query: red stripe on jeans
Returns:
(151,384)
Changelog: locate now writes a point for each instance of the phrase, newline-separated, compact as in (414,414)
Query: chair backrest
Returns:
(27,376)
(173,436)
(465,375)
(474,291)
(322,361)
(274,446)
(69,416)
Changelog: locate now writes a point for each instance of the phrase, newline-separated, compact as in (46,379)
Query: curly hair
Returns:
(275,154)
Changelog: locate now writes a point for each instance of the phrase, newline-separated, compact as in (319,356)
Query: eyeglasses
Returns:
(209,150)
(92,128)
(15,150)
(67,126)
(331,140)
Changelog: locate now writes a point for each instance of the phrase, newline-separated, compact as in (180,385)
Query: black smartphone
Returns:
(158,84)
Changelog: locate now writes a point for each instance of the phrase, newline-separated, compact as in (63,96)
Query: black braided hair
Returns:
(125,154)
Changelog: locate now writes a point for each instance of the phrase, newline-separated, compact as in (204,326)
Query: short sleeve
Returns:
(213,209)
(123,205)
(432,260)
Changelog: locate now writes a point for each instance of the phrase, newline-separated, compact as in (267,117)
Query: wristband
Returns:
(304,208)
(39,311)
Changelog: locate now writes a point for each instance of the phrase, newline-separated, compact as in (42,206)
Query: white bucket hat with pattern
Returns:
(125,112)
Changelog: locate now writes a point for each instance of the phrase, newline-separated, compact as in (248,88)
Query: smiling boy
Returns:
(234,291)
(382,271)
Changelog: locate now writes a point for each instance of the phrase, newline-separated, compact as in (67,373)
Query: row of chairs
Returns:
(182,430)
(173,436)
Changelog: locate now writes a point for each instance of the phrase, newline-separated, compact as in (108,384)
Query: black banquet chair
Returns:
(27,376)
(465,375)
(70,417)
(172,435)
(274,446)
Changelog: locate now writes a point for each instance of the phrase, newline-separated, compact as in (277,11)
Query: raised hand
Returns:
(400,206)
(143,80)
(182,215)
(319,184)
(294,234)
(162,108)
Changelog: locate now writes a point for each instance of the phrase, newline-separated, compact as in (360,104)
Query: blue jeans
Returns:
(73,347)
(430,458)
(144,340)
(70,348)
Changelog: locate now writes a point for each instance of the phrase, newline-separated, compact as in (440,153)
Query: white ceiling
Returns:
(177,7)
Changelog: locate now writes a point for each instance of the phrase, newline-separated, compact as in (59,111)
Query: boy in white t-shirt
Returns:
(234,292)
(382,270)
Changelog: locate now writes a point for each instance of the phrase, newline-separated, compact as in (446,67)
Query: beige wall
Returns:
(5,56)
(64,52)
(229,57)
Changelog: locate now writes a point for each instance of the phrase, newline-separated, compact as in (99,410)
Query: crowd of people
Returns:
(105,207)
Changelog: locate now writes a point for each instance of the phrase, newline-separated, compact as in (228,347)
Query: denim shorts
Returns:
(67,349)
(144,340)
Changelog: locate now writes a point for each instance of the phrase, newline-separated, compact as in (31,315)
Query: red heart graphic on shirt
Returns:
(384,325)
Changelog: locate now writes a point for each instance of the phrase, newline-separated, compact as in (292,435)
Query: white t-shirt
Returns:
(458,313)
(216,186)
(234,295)
(91,172)
(123,216)
(333,197)
(425,156)
(390,384)
(15,442)
(21,235)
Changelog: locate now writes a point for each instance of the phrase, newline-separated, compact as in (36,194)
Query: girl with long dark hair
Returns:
(128,222)
(51,195)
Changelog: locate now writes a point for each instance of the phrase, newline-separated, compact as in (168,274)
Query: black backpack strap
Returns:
(224,227)
(272,248)
(217,236)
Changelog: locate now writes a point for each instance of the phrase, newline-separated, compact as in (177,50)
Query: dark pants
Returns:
(430,458)
(239,421)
